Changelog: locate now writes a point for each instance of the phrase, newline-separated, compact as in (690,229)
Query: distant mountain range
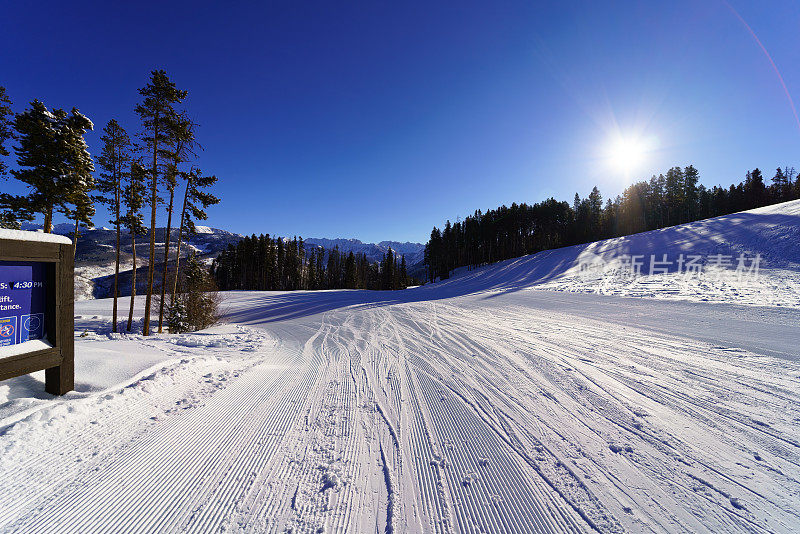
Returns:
(414,252)
(94,258)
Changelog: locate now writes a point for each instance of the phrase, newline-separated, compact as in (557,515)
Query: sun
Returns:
(627,155)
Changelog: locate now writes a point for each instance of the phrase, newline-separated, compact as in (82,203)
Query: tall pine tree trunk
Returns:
(48,220)
(133,281)
(166,260)
(75,238)
(180,238)
(153,202)
(177,267)
(116,267)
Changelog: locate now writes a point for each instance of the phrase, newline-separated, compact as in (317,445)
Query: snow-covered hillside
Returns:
(752,257)
(477,404)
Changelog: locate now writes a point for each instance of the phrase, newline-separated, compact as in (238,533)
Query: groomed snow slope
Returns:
(472,405)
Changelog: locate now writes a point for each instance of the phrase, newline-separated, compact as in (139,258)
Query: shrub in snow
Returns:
(177,318)
(196,305)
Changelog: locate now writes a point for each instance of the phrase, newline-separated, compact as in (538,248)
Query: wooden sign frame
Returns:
(57,361)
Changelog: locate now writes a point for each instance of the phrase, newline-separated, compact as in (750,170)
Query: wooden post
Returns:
(58,361)
(61,379)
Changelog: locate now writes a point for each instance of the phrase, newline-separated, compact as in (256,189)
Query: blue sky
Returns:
(377,120)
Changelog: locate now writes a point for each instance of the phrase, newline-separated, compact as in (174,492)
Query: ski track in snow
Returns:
(448,415)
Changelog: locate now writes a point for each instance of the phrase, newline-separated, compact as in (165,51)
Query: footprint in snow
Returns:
(736,503)
(469,479)
(619,448)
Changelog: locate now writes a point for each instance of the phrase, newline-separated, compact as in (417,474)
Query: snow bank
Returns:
(105,360)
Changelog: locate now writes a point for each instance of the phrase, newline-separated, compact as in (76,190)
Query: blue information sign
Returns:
(22,302)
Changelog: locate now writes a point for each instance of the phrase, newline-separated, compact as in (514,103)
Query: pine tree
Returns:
(81,211)
(54,163)
(595,211)
(690,193)
(301,259)
(433,255)
(196,306)
(311,270)
(133,196)
(403,272)
(78,170)
(39,156)
(13,209)
(780,186)
(114,160)
(657,203)
(279,263)
(350,271)
(159,117)
(388,270)
(674,190)
(11,206)
(79,167)
(6,119)
(754,190)
(332,271)
(319,268)
(789,173)
(178,317)
(183,143)
(195,202)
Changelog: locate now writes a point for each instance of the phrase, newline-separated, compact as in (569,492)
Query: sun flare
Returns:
(627,154)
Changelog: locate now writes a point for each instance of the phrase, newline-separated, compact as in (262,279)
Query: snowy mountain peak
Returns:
(413,252)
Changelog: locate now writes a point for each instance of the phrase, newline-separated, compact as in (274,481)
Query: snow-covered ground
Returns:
(471,405)
(87,275)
